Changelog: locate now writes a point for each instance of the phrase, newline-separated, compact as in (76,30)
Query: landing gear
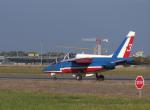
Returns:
(78,77)
(100,77)
(53,76)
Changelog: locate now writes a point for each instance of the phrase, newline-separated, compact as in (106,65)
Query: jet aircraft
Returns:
(89,64)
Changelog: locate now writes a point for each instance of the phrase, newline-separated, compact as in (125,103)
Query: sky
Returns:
(26,24)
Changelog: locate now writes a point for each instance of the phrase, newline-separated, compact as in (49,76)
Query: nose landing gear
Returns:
(53,76)
(78,77)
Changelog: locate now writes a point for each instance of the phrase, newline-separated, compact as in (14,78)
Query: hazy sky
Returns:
(26,23)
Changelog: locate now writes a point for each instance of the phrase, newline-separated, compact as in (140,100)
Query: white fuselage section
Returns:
(78,56)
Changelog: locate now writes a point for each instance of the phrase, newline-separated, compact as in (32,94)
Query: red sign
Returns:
(139,82)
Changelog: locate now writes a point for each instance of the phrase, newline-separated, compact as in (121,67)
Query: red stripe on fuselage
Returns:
(84,60)
(76,70)
(128,48)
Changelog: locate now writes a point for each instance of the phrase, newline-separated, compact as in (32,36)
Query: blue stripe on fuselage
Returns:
(119,48)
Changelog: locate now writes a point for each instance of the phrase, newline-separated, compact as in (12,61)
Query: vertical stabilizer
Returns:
(124,49)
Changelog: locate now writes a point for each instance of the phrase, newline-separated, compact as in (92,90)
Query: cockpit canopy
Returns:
(66,57)
(69,56)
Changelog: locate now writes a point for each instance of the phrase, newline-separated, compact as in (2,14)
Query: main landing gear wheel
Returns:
(100,77)
(78,77)
(53,76)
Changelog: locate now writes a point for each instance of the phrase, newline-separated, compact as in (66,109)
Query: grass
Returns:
(129,71)
(21,69)
(30,100)
(18,100)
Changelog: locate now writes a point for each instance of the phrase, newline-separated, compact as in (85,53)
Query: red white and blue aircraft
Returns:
(89,64)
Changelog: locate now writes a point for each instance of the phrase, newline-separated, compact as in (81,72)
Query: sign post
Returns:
(139,84)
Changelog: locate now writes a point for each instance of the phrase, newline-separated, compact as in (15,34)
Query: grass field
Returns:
(18,94)
(19,100)
(130,71)
(21,69)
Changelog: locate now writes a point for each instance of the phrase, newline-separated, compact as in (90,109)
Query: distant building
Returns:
(139,54)
(2,58)
(33,54)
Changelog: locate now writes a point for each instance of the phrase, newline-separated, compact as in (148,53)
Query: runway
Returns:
(32,77)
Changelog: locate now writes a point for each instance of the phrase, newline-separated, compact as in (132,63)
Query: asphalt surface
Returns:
(36,77)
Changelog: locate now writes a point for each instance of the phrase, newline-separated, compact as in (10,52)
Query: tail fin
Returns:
(124,49)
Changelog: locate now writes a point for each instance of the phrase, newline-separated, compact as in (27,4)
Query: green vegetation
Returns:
(21,69)
(145,71)
(10,100)
(14,99)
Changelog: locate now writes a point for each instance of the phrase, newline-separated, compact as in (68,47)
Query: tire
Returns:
(78,77)
(100,77)
(53,76)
